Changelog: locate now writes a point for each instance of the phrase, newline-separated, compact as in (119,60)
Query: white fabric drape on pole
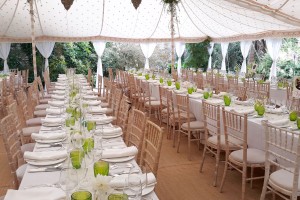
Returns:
(224,48)
(180,47)
(147,49)
(210,50)
(99,47)
(45,48)
(4,51)
(273,45)
(245,48)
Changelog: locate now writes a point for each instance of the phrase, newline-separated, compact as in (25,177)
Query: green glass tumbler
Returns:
(118,197)
(81,195)
(161,80)
(101,167)
(190,90)
(177,85)
(227,100)
(76,157)
(169,82)
(206,95)
(88,145)
(261,110)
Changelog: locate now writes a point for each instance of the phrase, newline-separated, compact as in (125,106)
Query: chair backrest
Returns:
(251,88)
(200,80)
(12,145)
(135,133)
(233,83)
(235,126)
(100,85)
(220,84)
(183,108)
(152,146)
(40,87)
(123,114)
(283,151)
(146,92)
(163,96)
(212,119)
(263,90)
(89,77)
(111,74)
(116,100)
(12,83)
(241,93)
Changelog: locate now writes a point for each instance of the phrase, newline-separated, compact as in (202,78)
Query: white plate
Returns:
(123,159)
(50,141)
(145,191)
(112,136)
(46,162)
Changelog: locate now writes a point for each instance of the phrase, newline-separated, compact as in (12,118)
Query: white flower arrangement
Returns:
(101,184)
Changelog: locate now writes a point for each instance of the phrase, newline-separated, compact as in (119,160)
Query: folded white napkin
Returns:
(52,121)
(49,136)
(279,122)
(242,102)
(55,111)
(58,87)
(37,193)
(90,97)
(121,181)
(97,110)
(274,110)
(244,110)
(119,153)
(59,97)
(102,120)
(180,91)
(56,103)
(92,102)
(45,155)
(59,92)
(215,101)
(109,131)
(195,95)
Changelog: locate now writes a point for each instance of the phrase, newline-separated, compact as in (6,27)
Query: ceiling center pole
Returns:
(33,39)
(172,42)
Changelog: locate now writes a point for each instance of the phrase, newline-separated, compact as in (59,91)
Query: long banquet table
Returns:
(256,132)
(51,179)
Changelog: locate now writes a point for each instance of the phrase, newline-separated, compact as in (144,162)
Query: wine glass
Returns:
(134,185)
(68,180)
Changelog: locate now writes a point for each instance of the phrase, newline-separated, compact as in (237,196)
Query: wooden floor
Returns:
(178,178)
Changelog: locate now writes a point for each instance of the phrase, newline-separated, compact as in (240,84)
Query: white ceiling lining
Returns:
(111,20)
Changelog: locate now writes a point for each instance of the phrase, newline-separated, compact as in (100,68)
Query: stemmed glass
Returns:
(134,185)
(68,180)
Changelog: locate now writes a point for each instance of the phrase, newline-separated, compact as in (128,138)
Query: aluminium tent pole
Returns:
(33,39)
(172,42)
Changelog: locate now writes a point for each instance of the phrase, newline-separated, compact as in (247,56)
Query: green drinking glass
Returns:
(118,197)
(169,82)
(210,94)
(88,145)
(101,167)
(298,123)
(227,100)
(177,85)
(293,116)
(161,80)
(147,77)
(70,122)
(69,110)
(153,77)
(90,125)
(76,157)
(190,90)
(206,95)
(81,195)
(261,110)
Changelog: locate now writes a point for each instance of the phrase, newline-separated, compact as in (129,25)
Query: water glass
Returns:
(81,195)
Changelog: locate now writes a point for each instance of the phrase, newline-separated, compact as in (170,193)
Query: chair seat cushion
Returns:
(153,103)
(183,115)
(147,99)
(44,101)
(27,147)
(28,130)
(193,125)
(34,121)
(105,105)
(42,107)
(40,113)
(283,179)
(165,111)
(21,171)
(254,156)
(214,140)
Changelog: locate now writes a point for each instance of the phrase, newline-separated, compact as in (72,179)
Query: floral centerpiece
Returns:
(101,184)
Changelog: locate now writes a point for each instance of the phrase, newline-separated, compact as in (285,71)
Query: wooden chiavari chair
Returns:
(200,80)
(152,144)
(133,93)
(116,100)
(123,114)
(263,91)
(235,126)
(15,71)
(251,88)
(107,93)
(100,89)
(25,74)
(111,75)
(163,97)
(232,83)
(282,145)
(12,146)
(241,93)
(187,126)
(149,104)
(136,131)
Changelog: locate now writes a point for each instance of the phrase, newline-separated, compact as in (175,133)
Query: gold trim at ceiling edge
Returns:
(256,36)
